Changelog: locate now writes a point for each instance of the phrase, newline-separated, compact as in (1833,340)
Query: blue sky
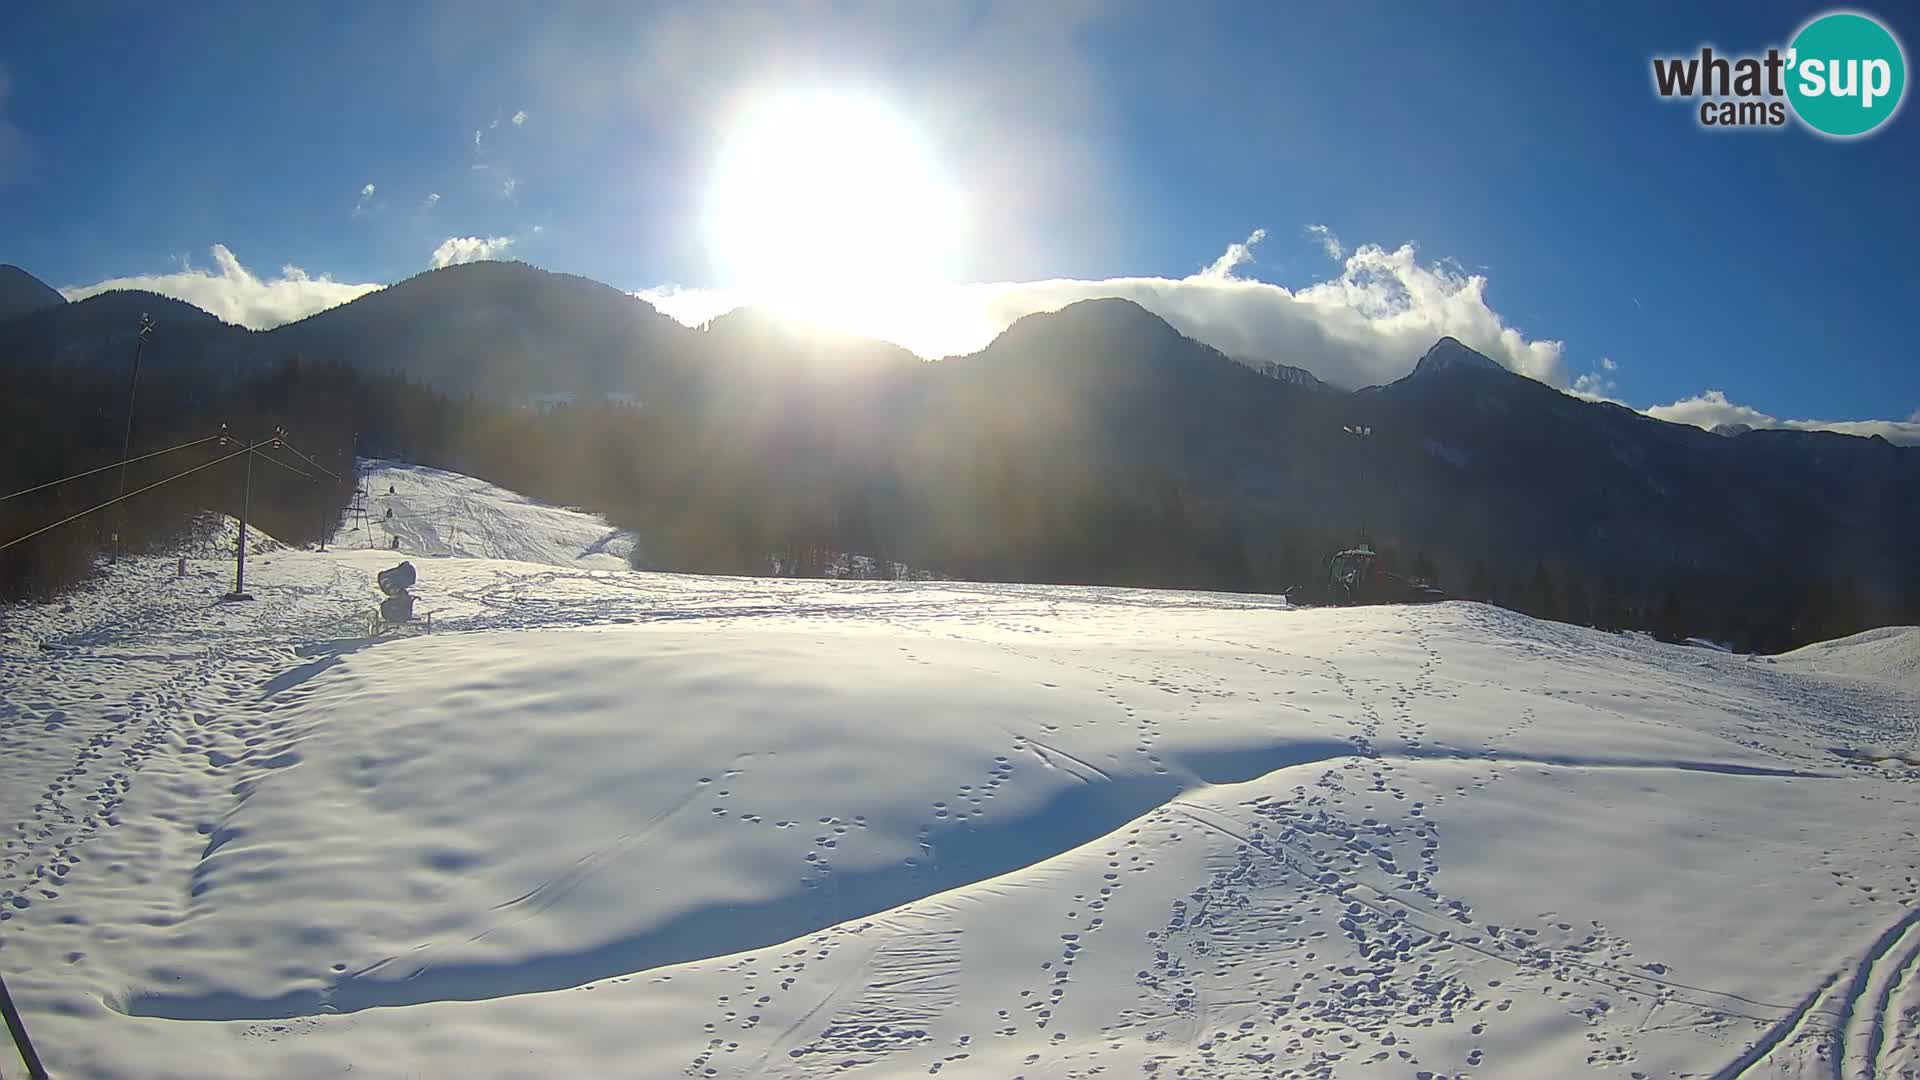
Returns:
(1519,143)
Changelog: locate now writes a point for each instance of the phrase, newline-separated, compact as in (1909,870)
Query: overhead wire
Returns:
(301,472)
(92,509)
(303,457)
(104,468)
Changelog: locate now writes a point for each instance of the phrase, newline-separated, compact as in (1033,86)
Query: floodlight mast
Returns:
(126,440)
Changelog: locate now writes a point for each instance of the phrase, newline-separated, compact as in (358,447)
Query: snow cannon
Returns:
(397,608)
(397,581)
(1359,575)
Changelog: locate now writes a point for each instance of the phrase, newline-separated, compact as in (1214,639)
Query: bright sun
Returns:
(830,207)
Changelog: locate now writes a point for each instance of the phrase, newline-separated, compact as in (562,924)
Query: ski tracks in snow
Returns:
(111,746)
(1865,1020)
(142,668)
(1861,1020)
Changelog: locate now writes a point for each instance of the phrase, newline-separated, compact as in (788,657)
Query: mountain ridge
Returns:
(21,293)
(1451,354)
(502,281)
(1091,413)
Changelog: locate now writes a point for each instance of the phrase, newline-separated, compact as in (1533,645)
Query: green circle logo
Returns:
(1846,74)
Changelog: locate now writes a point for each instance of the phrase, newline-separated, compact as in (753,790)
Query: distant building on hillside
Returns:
(546,403)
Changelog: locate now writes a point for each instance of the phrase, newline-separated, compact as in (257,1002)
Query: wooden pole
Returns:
(18,1029)
(240,559)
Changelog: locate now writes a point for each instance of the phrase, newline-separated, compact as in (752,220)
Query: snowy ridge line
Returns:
(1889,655)
(416,988)
(432,982)
(1579,761)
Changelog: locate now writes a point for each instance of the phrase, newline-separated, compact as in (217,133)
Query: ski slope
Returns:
(604,822)
(434,512)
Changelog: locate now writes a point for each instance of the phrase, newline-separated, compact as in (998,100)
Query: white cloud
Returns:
(433,199)
(1328,242)
(508,186)
(1712,407)
(520,118)
(1367,325)
(690,307)
(237,295)
(466,249)
(1236,256)
(1598,384)
(1709,409)
(366,200)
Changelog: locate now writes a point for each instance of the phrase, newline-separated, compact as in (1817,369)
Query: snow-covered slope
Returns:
(434,512)
(1890,654)
(215,535)
(612,823)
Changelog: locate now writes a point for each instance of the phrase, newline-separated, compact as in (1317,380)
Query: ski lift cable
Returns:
(295,451)
(308,460)
(104,468)
(264,456)
(129,495)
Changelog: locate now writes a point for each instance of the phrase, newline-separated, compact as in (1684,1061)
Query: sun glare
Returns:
(829,207)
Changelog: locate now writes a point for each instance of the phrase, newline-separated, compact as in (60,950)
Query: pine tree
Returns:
(1609,610)
(1423,568)
(1837,610)
(1480,582)
(1672,622)
(1576,608)
(1542,602)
